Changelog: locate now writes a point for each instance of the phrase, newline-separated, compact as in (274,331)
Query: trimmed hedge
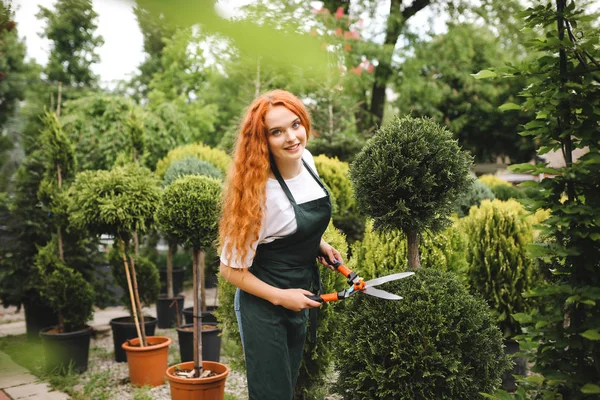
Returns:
(439,342)
(473,196)
(191,166)
(336,175)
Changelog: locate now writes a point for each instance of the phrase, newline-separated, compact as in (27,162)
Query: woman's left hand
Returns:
(328,254)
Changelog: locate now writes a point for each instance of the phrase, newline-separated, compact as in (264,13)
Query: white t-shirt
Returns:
(279,219)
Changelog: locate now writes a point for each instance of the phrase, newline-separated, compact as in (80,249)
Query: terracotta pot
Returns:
(212,388)
(147,365)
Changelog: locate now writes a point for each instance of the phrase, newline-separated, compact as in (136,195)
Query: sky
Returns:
(122,50)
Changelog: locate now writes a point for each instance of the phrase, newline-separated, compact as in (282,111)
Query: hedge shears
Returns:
(359,285)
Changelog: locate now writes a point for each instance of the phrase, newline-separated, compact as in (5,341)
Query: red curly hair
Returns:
(244,198)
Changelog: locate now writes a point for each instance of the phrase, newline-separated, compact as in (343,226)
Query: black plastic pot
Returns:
(211,343)
(66,351)
(178,278)
(207,316)
(37,317)
(509,383)
(167,309)
(123,329)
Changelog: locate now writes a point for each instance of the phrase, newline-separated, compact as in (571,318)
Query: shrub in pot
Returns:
(500,268)
(439,342)
(189,212)
(119,202)
(71,297)
(408,176)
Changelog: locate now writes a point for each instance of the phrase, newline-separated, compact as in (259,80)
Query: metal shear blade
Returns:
(381,294)
(387,278)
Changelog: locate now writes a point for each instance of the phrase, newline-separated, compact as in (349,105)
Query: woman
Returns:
(275,212)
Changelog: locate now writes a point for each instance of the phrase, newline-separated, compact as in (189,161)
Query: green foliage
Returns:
(190,166)
(105,126)
(189,210)
(473,196)
(409,174)
(318,356)
(70,28)
(436,82)
(563,91)
(117,202)
(502,192)
(382,253)
(439,342)
(336,175)
(500,268)
(146,274)
(493,180)
(216,157)
(65,290)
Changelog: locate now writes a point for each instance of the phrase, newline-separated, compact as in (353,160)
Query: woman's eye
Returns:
(296,125)
(275,132)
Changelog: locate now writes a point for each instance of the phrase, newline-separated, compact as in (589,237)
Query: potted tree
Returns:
(64,289)
(120,202)
(408,177)
(189,211)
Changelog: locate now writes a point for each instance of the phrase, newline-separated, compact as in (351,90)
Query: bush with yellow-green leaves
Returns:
(216,157)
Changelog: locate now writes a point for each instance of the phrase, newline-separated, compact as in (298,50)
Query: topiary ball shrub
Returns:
(409,174)
(190,166)
(439,342)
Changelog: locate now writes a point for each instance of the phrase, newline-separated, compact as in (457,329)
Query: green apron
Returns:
(273,336)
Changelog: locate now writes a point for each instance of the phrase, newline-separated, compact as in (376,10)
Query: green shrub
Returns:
(146,273)
(216,157)
(65,290)
(492,180)
(502,192)
(190,166)
(473,196)
(439,343)
(336,175)
(317,357)
(381,253)
(118,202)
(408,176)
(500,268)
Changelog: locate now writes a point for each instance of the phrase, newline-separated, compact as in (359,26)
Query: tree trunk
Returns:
(414,261)
(172,249)
(201,262)
(383,72)
(197,313)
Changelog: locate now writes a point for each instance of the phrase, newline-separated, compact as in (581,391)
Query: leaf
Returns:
(509,106)
(590,388)
(522,318)
(484,74)
(591,334)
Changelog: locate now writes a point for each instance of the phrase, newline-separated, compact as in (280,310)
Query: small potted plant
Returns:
(189,211)
(121,202)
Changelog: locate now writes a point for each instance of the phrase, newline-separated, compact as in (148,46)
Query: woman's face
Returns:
(285,134)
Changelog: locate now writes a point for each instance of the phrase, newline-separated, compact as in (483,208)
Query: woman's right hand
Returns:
(296,300)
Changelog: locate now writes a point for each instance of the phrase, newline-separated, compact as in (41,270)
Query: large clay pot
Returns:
(212,388)
(168,309)
(211,342)
(147,365)
(123,329)
(64,351)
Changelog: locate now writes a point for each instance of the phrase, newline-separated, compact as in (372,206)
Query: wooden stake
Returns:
(131,296)
(137,301)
